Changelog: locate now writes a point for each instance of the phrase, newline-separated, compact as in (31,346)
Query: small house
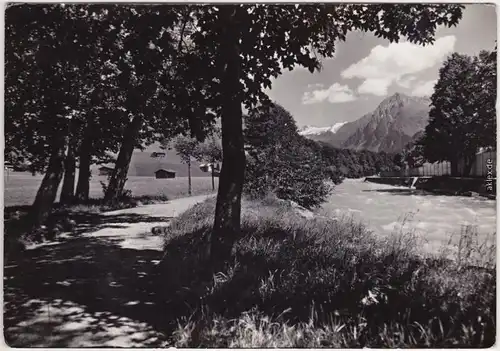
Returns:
(105,171)
(164,174)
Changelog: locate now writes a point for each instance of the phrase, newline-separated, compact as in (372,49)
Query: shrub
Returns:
(281,161)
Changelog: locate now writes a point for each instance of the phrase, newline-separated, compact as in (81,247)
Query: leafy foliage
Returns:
(186,147)
(281,161)
(114,62)
(462,115)
(412,154)
(210,150)
(301,35)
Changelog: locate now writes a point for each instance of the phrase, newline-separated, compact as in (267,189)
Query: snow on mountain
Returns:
(311,130)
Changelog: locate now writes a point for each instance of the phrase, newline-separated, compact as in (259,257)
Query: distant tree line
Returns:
(346,163)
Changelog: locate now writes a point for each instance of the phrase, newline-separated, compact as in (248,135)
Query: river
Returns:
(432,217)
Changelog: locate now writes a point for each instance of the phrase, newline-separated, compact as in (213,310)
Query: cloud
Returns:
(336,93)
(374,86)
(315,85)
(390,64)
(406,82)
(424,88)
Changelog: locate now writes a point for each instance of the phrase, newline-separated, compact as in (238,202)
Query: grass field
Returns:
(20,188)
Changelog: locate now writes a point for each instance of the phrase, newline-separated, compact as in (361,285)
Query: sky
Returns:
(367,69)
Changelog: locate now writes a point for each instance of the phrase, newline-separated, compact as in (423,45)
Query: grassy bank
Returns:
(317,282)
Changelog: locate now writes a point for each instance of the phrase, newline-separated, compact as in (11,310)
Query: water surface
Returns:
(433,217)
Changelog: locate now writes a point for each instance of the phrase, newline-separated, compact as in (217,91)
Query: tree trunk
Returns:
(85,158)
(468,163)
(454,167)
(119,175)
(47,192)
(189,177)
(83,185)
(228,207)
(68,188)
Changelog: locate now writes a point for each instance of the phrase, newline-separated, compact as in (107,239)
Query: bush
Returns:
(297,282)
(281,161)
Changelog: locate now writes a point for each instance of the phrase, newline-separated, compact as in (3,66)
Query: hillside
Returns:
(389,128)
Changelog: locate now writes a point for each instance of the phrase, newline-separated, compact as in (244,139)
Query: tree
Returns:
(107,62)
(462,114)
(57,46)
(413,152)
(144,65)
(154,55)
(68,188)
(210,151)
(487,96)
(44,50)
(414,156)
(187,148)
(243,46)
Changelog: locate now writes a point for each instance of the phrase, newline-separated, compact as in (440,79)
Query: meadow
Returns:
(20,188)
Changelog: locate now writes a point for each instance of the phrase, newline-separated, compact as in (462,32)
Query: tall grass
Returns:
(299,282)
(468,249)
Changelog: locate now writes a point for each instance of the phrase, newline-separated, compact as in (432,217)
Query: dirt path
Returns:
(94,288)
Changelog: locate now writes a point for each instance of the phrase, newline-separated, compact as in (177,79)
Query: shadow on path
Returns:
(85,291)
(91,222)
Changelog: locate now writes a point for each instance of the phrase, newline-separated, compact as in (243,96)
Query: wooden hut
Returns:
(164,174)
(104,171)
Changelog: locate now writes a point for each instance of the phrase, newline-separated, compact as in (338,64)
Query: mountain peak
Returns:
(403,98)
(388,128)
(397,97)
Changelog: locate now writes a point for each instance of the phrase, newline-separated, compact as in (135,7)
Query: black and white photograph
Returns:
(249,175)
